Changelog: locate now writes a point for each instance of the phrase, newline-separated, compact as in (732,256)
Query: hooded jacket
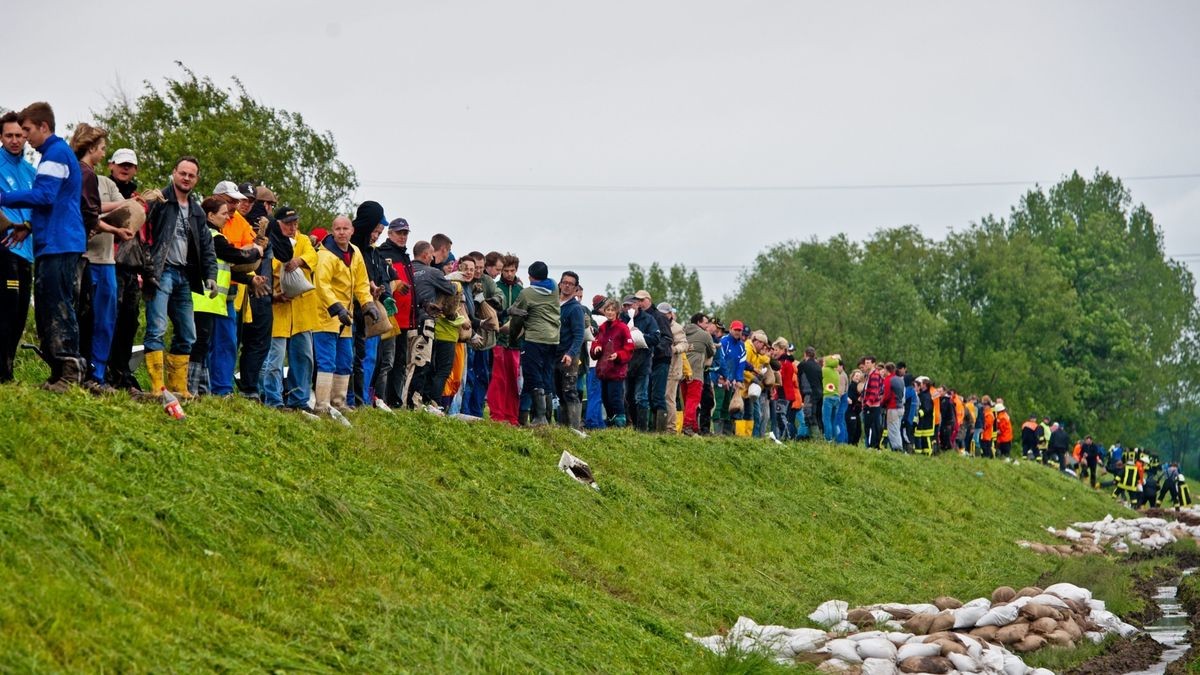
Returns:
(536,313)
(508,295)
(201,258)
(701,348)
(734,361)
(17,174)
(402,293)
(830,377)
(812,379)
(298,314)
(428,282)
(341,280)
(368,217)
(53,201)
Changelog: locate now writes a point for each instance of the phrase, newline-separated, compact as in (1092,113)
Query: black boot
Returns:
(537,416)
(643,419)
(660,421)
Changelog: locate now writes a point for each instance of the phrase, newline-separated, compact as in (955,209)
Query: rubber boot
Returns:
(574,411)
(550,411)
(643,419)
(537,416)
(660,421)
(744,427)
(177,375)
(618,422)
(323,391)
(154,366)
(337,398)
(523,418)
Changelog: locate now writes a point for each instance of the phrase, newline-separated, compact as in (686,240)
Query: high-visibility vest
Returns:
(1185,495)
(202,303)
(1129,478)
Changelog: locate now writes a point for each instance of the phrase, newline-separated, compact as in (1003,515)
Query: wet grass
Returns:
(247,539)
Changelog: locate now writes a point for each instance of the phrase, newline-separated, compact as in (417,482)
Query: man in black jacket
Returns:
(811,389)
(660,362)
(1058,446)
(390,372)
(255,336)
(428,283)
(184,263)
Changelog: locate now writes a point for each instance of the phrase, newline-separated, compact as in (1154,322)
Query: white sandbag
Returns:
(830,612)
(1095,604)
(879,667)
(846,650)
(1072,534)
(1096,638)
(881,616)
(986,603)
(921,608)
(974,647)
(1013,665)
(918,649)
(992,660)
(1041,671)
(899,638)
(1069,592)
(714,643)
(867,635)
(966,616)
(892,625)
(843,628)
(964,663)
(803,640)
(1047,599)
(999,616)
(834,666)
(877,648)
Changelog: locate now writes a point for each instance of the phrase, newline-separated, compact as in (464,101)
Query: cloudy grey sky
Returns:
(428,98)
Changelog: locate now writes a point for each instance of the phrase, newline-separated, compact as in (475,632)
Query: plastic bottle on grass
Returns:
(171,405)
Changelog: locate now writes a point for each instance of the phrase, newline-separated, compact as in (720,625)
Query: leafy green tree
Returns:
(235,137)
(679,286)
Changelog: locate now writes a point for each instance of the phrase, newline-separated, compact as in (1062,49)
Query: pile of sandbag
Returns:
(1122,533)
(944,636)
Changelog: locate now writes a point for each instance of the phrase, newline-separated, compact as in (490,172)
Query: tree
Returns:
(235,137)
(678,286)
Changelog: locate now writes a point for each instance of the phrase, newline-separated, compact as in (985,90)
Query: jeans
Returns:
(537,366)
(754,412)
(222,352)
(430,379)
(16,273)
(872,421)
(256,341)
(104,316)
(638,379)
(334,353)
(781,415)
(658,384)
(613,394)
(475,384)
(829,405)
(129,317)
(707,403)
(840,433)
(370,361)
(299,352)
(894,424)
(385,360)
(174,298)
(55,291)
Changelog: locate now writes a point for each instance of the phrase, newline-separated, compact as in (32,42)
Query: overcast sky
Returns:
(677,94)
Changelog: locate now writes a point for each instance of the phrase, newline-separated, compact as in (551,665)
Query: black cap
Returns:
(399,225)
(247,189)
(538,271)
(286,214)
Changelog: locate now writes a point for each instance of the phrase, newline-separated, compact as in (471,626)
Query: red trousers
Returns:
(692,390)
(503,396)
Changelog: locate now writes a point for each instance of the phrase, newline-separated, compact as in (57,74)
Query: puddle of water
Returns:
(1171,629)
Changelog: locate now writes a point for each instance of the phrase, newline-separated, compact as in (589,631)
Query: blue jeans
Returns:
(841,433)
(173,297)
(754,408)
(594,418)
(335,354)
(641,383)
(299,352)
(222,353)
(537,367)
(799,424)
(104,315)
(475,386)
(370,358)
(829,405)
(658,385)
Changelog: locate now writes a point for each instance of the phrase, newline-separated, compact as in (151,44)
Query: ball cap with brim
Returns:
(227,187)
(320,233)
(247,189)
(286,214)
(398,225)
(666,308)
(263,194)
(737,325)
(642,295)
(629,300)
(124,156)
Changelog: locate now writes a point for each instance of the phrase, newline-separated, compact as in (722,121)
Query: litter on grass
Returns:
(578,469)
(1118,534)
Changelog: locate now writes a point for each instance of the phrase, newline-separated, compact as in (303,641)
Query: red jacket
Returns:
(787,381)
(612,338)
(875,390)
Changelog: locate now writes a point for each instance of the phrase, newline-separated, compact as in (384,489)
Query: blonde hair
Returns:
(780,343)
(85,138)
(758,335)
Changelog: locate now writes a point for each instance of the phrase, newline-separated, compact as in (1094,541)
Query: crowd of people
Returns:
(360,320)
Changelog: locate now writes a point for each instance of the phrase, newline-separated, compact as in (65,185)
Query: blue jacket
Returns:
(54,201)
(649,327)
(733,363)
(571,324)
(17,174)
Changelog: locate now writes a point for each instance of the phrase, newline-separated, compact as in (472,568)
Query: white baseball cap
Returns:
(124,156)
(228,187)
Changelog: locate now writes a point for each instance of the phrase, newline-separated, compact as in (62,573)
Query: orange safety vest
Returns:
(989,425)
(1004,424)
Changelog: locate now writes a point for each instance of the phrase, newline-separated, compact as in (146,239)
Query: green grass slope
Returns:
(245,539)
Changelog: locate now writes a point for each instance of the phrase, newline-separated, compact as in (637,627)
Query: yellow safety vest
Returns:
(1128,478)
(202,303)
(1185,495)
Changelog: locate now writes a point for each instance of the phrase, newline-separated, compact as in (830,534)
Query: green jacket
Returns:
(536,313)
(829,377)
(508,295)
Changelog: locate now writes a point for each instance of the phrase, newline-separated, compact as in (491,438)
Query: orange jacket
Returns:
(989,425)
(1004,428)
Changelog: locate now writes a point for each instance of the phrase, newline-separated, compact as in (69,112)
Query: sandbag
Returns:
(1013,665)
(899,612)
(128,215)
(1035,610)
(879,667)
(941,622)
(1012,633)
(294,284)
(835,666)
(999,616)
(860,617)
(1044,626)
(1029,592)
(951,646)
(946,602)
(899,639)
(1069,592)
(867,635)
(1080,608)
(966,617)
(918,649)
(1047,599)
(1003,594)
(987,633)
(830,612)
(806,640)
(1060,638)
(919,624)
(1072,627)
(1030,643)
(877,648)
(964,663)
(927,664)
(846,650)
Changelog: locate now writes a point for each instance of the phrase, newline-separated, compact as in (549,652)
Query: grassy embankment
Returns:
(245,539)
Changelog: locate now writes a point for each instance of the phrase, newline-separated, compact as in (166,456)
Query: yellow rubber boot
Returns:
(177,372)
(154,366)
(744,427)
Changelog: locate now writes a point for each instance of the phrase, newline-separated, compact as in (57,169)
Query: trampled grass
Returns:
(247,539)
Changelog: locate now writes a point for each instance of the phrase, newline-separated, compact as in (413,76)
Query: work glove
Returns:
(371,312)
(345,318)
(210,285)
